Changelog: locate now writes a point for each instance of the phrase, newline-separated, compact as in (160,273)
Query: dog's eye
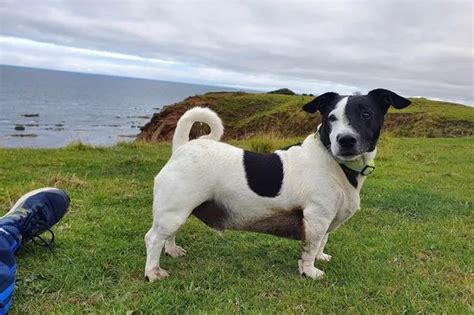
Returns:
(332,118)
(366,115)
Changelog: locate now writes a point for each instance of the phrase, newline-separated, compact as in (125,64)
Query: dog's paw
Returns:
(309,271)
(324,257)
(156,273)
(175,251)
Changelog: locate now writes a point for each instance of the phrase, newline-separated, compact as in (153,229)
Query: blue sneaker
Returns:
(32,214)
(35,213)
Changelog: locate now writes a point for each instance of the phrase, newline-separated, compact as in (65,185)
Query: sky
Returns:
(414,48)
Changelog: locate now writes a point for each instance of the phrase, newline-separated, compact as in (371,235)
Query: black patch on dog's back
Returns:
(264,173)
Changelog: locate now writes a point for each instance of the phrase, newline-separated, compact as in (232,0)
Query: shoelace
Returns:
(35,237)
(38,240)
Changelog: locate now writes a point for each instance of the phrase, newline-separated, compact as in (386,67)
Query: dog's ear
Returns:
(319,102)
(386,98)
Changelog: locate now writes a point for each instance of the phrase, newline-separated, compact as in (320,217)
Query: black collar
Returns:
(352,169)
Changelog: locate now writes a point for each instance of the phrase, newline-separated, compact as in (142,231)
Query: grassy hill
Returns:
(408,250)
(246,115)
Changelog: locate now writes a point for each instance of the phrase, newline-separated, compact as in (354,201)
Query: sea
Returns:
(48,109)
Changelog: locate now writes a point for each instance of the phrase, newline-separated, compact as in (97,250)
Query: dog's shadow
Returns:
(237,253)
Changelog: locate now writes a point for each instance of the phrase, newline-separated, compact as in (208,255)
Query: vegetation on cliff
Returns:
(283,91)
(246,115)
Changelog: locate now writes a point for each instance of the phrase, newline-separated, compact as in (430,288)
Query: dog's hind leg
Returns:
(172,249)
(166,223)
(172,205)
(154,242)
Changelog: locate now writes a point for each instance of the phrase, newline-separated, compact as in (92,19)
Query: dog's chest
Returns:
(350,205)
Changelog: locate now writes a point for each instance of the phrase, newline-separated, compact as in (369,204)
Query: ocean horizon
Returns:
(42,108)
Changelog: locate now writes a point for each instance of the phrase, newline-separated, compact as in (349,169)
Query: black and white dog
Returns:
(302,193)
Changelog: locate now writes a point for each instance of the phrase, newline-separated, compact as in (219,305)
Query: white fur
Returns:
(197,114)
(204,169)
(341,126)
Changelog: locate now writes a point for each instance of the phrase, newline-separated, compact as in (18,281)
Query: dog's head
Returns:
(351,125)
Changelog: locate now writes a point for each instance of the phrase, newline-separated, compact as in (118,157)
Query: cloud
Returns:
(415,48)
(36,54)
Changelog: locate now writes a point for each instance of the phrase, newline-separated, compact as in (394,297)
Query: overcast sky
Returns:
(416,48)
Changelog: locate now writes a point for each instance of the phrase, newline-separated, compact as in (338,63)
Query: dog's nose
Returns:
(346,141)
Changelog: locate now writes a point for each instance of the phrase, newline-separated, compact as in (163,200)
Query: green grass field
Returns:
(409,249)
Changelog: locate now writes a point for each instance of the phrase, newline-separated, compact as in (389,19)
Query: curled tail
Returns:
(197,114)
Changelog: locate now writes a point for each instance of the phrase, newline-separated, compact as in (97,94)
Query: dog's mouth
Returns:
(347,157)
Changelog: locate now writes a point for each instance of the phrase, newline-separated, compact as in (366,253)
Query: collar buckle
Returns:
(367,170)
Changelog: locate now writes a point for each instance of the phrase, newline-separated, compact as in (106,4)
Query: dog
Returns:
(302,193)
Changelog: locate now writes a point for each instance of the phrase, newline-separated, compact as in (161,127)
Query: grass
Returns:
(444,110)
(409,249)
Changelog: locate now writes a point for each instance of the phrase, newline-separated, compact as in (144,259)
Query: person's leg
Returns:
(32,214)
(8,245)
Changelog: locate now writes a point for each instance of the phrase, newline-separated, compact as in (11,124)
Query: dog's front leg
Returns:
(316,223)
(321,255)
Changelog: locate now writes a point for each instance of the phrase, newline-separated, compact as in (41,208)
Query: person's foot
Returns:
(35,212)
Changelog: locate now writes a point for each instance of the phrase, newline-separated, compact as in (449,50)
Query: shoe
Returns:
(35,213)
